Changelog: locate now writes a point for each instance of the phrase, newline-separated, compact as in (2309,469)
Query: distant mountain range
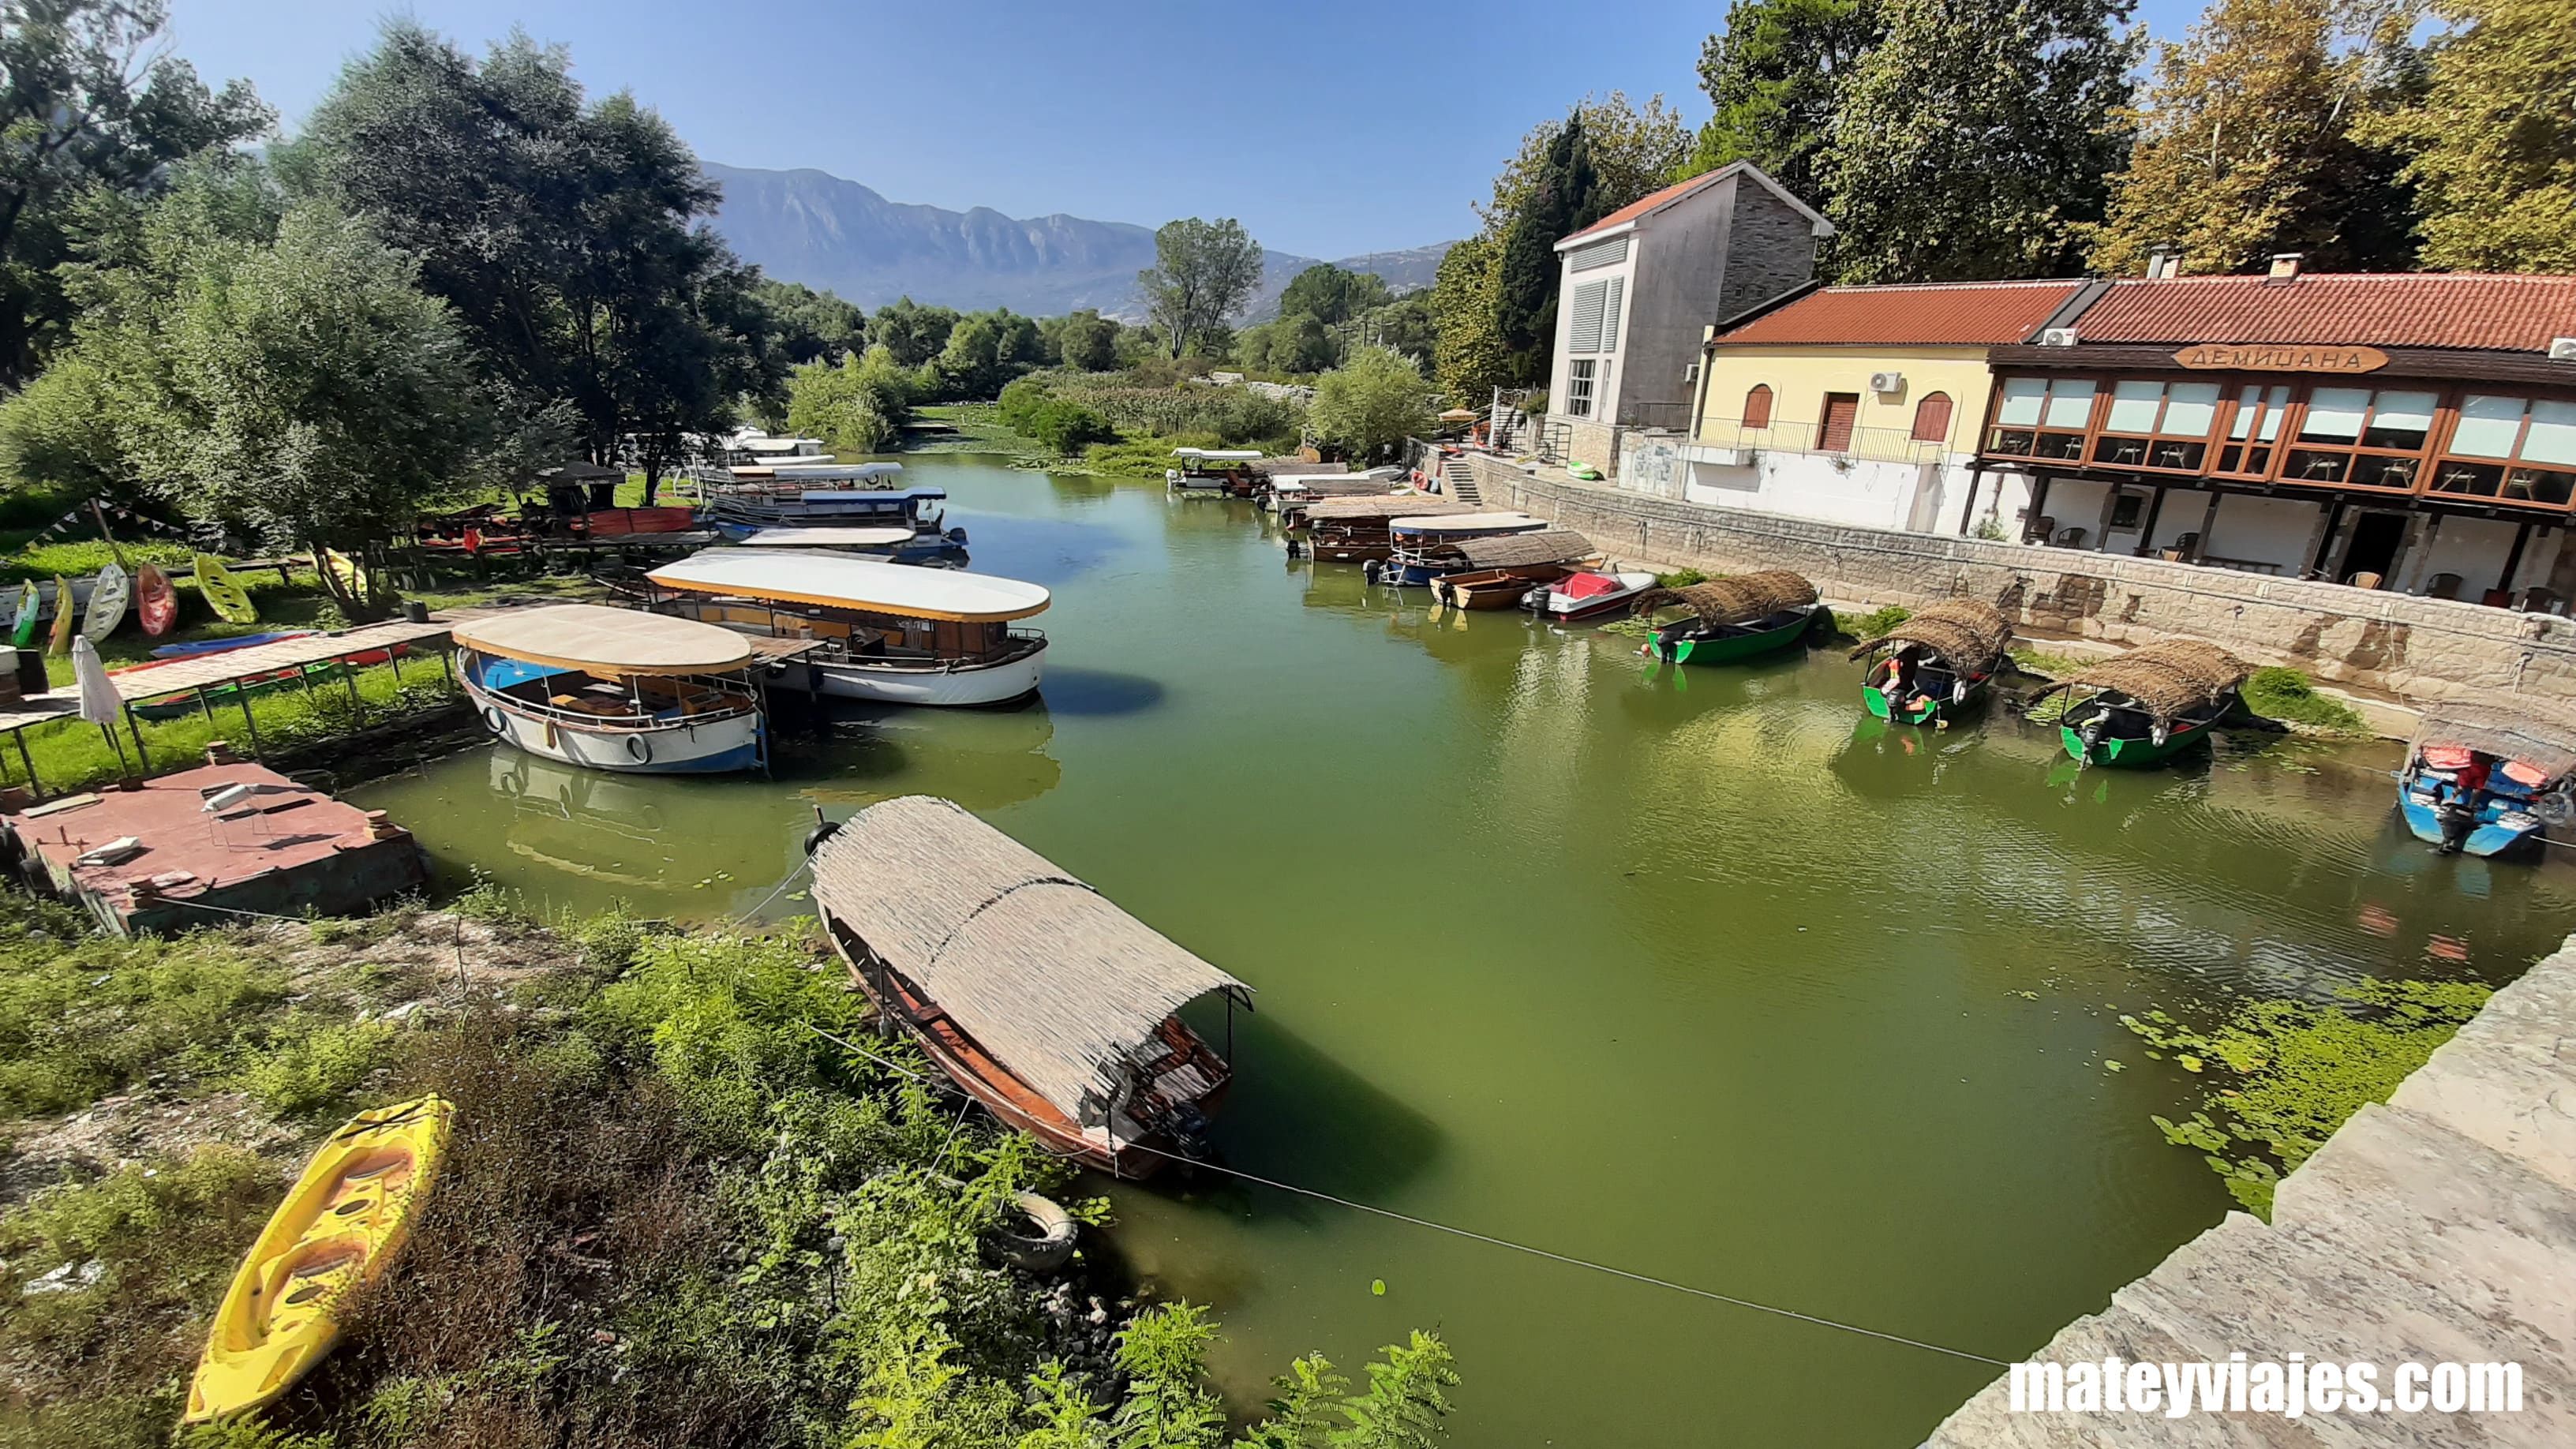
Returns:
(815,228)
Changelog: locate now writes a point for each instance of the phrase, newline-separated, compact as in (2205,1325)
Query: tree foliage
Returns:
(1292,342)
(1777,75)
(2246,143)
(93,112)
(2492,142)
(811,326)
(1084,340)
(1369,404)
(1203,273)
(1976,137)
(1467,355)
(857,405)
(1333,295)
(1564,197)
(915,333)
(1633,150)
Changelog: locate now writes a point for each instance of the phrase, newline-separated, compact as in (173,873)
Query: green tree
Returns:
(915,332)
(1296,343)
(1332,295)
(1563,198)
(1776,76)
(1404,325)
(1467,355)
(1369,404)
(811,326)
(1633,150)
(1976,138)
(2491,145)
(95,111)
(561,231)
(2246,148)
(856,406)
(1087,342)
(1203,273)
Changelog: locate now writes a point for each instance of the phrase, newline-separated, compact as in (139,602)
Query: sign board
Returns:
(2278,357)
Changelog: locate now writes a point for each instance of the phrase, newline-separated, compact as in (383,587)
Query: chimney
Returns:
(2285,266)
(2164,262)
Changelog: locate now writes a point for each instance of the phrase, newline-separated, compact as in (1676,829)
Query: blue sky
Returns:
(1329,127)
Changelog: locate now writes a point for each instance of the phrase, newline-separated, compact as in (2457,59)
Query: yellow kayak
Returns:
(339,1227)
(224,593)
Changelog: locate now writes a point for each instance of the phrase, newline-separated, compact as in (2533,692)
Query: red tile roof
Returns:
(1953,314)
(2428,309)
(1650,202)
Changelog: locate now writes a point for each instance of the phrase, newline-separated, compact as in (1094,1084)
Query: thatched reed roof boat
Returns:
(1496,573)
(1935,663)
(2485,778)
(2149,704)
(1354,530)
(1733,618)
(1526,550)
(1040,998)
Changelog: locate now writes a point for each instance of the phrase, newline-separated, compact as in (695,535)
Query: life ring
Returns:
(1049,1246)
(495,721)
(639,749)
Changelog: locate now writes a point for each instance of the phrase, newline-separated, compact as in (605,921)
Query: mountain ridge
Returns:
(828,232)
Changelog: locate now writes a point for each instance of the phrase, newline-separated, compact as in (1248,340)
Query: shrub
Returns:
(1874,623)
(2286,694)
(1068,427)
(312,1067)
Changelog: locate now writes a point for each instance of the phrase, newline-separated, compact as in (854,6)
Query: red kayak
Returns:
(155,600)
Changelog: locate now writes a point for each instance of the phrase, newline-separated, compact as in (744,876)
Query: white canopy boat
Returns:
(889,633)
(1213,470)
(883,541)
(614,689)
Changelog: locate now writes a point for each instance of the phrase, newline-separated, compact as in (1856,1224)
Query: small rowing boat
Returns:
(1744,616)
(1934,664)
(2148,705)
(2483,780)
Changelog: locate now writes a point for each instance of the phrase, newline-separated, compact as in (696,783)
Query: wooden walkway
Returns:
(2440,1227)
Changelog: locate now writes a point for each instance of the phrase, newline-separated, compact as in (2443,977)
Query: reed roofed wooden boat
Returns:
(2483,779)
(1935,663)
(1424,550)
(1043,1001)
(1732,618)
(2145,706)
(1494,573)
(1354,530)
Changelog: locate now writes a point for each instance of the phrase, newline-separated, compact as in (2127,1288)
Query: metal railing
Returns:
(1870,445)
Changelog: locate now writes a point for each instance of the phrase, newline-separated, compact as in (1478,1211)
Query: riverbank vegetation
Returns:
(2288,1073)
(2289,697)
(674,1210)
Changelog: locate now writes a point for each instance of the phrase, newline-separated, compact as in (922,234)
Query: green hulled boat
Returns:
(1934,664)
(2147,705)
(1744,617)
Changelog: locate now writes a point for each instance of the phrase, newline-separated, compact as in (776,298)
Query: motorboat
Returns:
(616,689)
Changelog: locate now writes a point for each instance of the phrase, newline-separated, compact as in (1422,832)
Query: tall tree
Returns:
(2492,141)
(2246,142)
(1086,341)
(1633,150)
(1369,404)
(1776,76)
(565,233)
(1332,295)
(92,109)
(1976,137)
(811,326)
(912,332)
(1203,273)
(1564,197)
(1467,356)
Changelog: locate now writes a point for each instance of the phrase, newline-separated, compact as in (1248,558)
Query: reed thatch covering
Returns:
(1523,550)
(2165,678)
(1055,982)
(2537,737)
(1366,510)
(1737,600)
(1966,633)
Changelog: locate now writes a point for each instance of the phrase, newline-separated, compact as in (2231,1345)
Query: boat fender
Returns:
(639,749)
(1046,1243)
(493,719)
(2160,734)
(2555,809)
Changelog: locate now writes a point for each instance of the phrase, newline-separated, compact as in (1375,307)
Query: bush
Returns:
(311,1067)
(1068,427)
(1020,401)
(1874,623)
(2287,695)
(1370,404)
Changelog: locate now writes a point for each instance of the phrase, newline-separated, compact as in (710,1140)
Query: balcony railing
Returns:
(1868,445)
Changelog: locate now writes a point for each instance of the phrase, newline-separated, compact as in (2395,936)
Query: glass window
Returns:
(2399,420)
(1578,387)
(2488,427)
(2334,415)
(2070,404)
(2133,407)
(2553,434)
(2190,407)
(2022,397)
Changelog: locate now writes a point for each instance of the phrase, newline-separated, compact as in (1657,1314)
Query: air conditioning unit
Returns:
(2562,349)
(2057,337)
(1887,382)
(1691,373)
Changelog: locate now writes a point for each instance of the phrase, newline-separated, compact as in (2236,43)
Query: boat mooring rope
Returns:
(1487,1238)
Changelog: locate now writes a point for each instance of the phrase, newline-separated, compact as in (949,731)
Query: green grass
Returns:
(1872,624)
(83,558)
(2031,660)
(2286,695)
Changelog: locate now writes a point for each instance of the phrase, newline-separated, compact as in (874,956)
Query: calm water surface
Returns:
(1702,975)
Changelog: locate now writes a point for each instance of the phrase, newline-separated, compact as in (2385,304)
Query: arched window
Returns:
(1932,418)
(1757,407)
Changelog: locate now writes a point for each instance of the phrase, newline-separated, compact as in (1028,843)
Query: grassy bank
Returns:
(673,1213)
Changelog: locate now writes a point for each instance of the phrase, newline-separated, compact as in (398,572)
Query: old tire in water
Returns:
(1044,1242)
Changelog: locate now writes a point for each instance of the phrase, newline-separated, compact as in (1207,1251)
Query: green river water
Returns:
(1703,975)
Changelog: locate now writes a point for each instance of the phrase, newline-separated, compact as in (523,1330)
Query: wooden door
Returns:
(1842,409)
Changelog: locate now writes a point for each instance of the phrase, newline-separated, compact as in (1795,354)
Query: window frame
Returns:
(1579,383)
(2153,444)
(1949,418)
(2442,457)
(1769,399)
(2414,460)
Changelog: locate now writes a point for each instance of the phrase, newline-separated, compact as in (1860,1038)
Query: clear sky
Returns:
(1329,127)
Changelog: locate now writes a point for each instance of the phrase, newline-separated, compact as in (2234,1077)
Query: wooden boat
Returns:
(1588,594)
(155,600)
(1934,664)
(1213,471)
(2484,781)
(788,497)
(2148,705)
(224,593)
(1034,994)
(1423,547)
(616,689)
(107,600)
(340,1227)
(1744,616)
(883,632)
(1492,588)
(1354,530)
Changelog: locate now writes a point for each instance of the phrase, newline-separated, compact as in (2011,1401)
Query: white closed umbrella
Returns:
(100,704)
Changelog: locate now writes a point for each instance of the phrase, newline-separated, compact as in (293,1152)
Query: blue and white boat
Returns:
(1424,547)
(833,495)
(2483,783)
(616,689)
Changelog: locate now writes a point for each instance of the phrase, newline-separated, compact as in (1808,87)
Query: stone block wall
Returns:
(2422,648)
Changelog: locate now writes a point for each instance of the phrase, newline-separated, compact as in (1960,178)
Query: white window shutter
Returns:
(1610,314)
(1586,334)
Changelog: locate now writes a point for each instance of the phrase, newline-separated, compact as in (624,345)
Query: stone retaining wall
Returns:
(2423,648)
